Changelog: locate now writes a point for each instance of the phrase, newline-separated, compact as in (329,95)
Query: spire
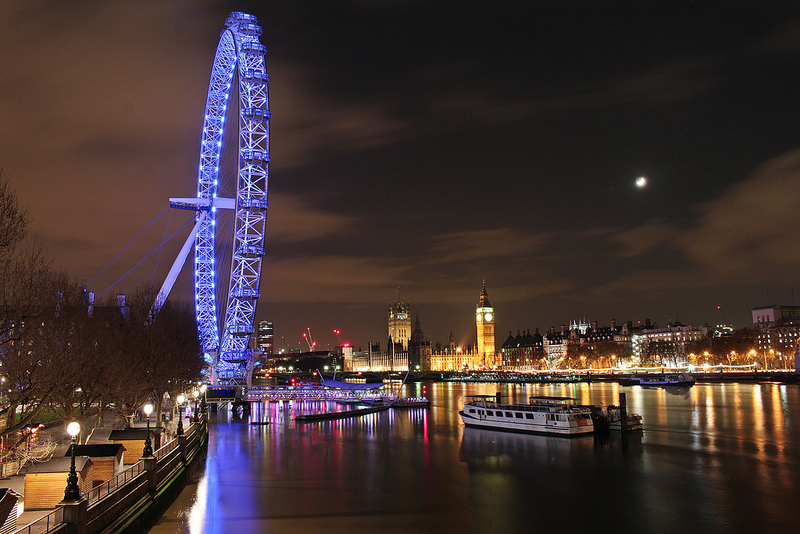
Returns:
(484,301)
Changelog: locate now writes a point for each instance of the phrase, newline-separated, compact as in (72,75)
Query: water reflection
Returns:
(503,450)
(715,458)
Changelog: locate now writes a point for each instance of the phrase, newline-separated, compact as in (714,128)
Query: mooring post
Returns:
(623,412)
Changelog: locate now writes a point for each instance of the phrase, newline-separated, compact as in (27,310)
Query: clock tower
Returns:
(399,323)
(484,320)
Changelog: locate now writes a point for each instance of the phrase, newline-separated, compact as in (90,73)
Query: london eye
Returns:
(231,202)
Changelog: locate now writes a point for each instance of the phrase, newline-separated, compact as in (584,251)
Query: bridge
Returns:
(328,390)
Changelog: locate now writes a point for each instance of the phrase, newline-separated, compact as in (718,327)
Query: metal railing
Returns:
(44,524)
(112,484)
(315,392)
(166,449)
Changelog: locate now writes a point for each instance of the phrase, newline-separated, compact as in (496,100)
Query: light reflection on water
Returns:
(713,458)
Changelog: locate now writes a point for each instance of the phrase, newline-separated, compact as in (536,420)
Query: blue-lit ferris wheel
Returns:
(231,202)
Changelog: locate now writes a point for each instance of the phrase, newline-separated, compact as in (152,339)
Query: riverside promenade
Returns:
(132,500)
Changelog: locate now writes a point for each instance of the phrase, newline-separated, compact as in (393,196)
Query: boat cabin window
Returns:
(518,415)
(471,410)
(489,412)
(528,416)
(508,414)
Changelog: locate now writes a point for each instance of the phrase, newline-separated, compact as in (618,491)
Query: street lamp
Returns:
(196,394)
(147,451)
(72,493)
(181,398)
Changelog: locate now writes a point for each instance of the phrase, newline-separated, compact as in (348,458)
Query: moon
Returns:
(641,182)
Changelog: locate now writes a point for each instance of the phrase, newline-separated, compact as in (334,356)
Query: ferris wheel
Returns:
(231,203)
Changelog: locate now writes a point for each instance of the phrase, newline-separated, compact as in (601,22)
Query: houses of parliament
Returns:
(409,348)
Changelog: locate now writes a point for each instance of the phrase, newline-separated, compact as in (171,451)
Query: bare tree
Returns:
(13,218)
(153,356)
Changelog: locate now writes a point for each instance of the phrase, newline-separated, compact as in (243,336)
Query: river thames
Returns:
(716,458)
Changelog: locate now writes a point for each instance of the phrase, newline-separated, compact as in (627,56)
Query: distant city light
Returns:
(641,182)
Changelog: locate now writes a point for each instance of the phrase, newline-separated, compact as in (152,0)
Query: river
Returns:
(716,458)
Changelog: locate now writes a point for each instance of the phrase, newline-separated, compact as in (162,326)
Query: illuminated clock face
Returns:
(402,316)
(488,316)
(479,317)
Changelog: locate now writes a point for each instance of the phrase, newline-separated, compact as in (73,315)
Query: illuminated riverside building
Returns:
(665,345)
(777,329)
(589,340)
(376,360)
(525,352)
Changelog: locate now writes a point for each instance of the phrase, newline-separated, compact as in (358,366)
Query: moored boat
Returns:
(633,421)
(554,416)
(411,402)
(660,380)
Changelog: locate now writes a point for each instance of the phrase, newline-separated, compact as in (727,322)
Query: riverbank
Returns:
(56,434)
(748,377)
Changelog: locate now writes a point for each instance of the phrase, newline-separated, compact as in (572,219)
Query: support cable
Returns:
(142,260)
(158,259)
(126,248)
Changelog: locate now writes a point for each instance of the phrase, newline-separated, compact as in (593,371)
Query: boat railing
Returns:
(550,408)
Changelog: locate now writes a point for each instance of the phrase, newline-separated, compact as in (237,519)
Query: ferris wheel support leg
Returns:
(169,281)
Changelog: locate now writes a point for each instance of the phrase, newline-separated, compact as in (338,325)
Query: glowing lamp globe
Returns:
(73,429)
(148,409)
(181,398)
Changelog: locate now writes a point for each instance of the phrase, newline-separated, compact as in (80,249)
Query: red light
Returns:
(346,345)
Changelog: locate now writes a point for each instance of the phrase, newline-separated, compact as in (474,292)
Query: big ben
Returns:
(484,320)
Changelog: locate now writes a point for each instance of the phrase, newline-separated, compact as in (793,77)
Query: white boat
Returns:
(553,416)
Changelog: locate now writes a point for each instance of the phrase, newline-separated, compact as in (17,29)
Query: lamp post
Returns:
(203,407)
(147,451)
(181,398)
(73,491)
(196,394)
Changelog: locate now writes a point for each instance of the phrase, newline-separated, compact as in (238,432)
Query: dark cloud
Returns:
(429,146)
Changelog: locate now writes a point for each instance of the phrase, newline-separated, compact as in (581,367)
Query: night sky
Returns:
(429,145)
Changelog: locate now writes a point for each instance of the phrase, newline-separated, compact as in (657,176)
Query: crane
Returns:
(309,340)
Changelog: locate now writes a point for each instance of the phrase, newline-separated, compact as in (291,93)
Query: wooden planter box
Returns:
(8,510)
(45,482)
(106,457)
(133,441)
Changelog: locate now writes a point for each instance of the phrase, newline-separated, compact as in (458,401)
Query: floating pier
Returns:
(340,415)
